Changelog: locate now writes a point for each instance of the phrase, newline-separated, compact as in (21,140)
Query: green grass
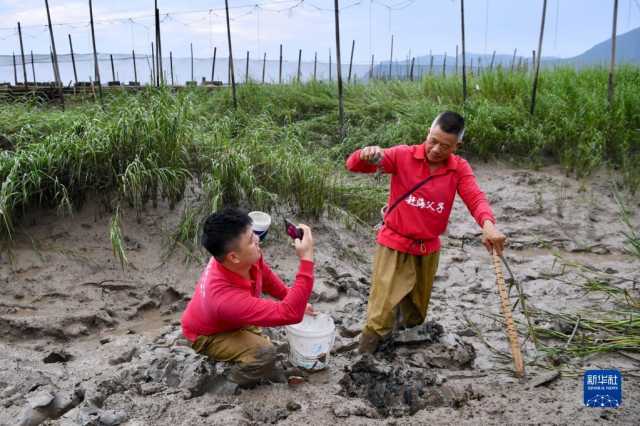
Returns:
(281,147)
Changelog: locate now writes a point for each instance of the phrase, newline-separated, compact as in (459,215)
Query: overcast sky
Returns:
(418,26)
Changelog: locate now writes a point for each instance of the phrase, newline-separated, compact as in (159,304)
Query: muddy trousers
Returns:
(252,352)
(400,287)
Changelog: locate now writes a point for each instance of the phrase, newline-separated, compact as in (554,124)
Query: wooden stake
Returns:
(493,58)
(536,64)
(340,94)
(233,78)
(612,64)
(512,333)
(299,65)
(191,49)
(280,67)
(24,62)
(55,55)
(330,65)
(533,59)
(513,61)
(353,45)
(464,71)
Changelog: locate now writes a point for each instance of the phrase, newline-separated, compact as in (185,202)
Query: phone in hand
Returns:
(292,230)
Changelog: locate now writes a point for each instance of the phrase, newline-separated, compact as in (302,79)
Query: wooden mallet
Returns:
(506,312)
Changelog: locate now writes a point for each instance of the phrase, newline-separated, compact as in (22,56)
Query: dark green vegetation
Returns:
(281,148)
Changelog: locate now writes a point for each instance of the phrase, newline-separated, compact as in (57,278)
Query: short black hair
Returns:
(222,228)
(450,122)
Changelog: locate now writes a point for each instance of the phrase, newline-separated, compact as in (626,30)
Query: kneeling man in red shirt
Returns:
(224,316)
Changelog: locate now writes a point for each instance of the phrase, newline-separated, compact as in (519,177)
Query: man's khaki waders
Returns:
(400,281)
(253,352)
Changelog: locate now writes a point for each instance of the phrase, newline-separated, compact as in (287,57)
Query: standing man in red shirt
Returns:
(424,181)
(224,316)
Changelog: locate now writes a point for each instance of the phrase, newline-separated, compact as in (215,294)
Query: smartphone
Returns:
(292,230)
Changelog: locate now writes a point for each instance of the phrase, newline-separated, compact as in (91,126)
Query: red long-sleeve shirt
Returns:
(415,225)
(224,301)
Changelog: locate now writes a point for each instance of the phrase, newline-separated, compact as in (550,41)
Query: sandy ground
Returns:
(86,343)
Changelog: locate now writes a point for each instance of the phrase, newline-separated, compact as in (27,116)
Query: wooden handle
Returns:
(512,333)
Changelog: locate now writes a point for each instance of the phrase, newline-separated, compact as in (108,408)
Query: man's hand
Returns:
(310,311)
(492,238)
(304,247)
(372,154)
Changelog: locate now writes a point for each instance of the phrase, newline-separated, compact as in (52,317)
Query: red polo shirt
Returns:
(415,225)
(224,301)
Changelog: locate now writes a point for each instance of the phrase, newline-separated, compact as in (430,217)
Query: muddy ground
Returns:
(82,342)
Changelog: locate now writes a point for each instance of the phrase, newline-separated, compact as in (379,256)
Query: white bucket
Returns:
(261,222)
(310,341)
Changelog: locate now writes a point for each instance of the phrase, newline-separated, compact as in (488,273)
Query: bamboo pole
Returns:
(391,57)
(537,63)
(73,60)
(464,73)
(353,45)
(280,67)
(213,63)
(153,65)
(233,78)
(444,65)
(456,59)
(96,70)
(512,333)
(160,73)
(24,62)
(135,67)
(371,68)
(315,65)
(171,66)
(15,70)
(612,64)
(113,70)
(55,55)
(413,61)
(340,94)
(246,70)
(191,50)
(33,69)
(264,66)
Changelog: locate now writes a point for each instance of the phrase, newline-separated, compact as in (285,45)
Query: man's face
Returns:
(246,249)
(439,145)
